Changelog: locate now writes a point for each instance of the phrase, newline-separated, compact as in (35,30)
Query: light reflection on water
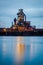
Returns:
(21,50)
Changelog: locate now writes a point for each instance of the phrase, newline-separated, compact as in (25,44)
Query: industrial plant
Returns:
(20,26)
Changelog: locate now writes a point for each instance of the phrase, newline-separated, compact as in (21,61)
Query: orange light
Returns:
(4,30)
(14,27)
(21,28)
(20,48)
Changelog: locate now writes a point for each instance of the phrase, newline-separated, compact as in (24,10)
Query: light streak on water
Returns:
(20,47)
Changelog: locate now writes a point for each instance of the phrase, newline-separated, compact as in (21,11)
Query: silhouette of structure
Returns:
(21,24)
(21,27)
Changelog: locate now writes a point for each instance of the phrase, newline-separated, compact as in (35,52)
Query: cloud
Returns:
(34,12)
(5,21)
(8,12)
(7,16)
(31,12)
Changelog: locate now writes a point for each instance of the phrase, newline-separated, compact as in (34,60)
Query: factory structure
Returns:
(20,24)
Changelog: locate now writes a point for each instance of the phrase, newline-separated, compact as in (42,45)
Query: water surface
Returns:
(21,50)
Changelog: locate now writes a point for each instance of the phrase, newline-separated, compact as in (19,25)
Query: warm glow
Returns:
(20,47)
(14,27)
(19,40)
(21,28)
(4,30)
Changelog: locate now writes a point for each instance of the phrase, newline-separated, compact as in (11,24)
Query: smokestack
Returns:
(15,21)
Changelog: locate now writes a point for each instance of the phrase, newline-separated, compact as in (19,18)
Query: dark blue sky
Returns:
(32,8)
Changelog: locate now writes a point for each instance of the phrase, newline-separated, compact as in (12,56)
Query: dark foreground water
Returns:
(21,50)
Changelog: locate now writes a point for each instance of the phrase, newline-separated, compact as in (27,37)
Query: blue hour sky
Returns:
(32,8)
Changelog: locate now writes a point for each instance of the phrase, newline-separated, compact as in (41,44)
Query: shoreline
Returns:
(37,32)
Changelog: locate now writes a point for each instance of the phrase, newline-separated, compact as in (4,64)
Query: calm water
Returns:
(21,50)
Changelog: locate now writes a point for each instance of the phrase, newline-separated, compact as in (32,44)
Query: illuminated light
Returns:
(4,30)
(21,28)
(25,29)
(14,27)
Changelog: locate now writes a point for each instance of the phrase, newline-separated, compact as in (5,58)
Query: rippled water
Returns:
(21,50)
